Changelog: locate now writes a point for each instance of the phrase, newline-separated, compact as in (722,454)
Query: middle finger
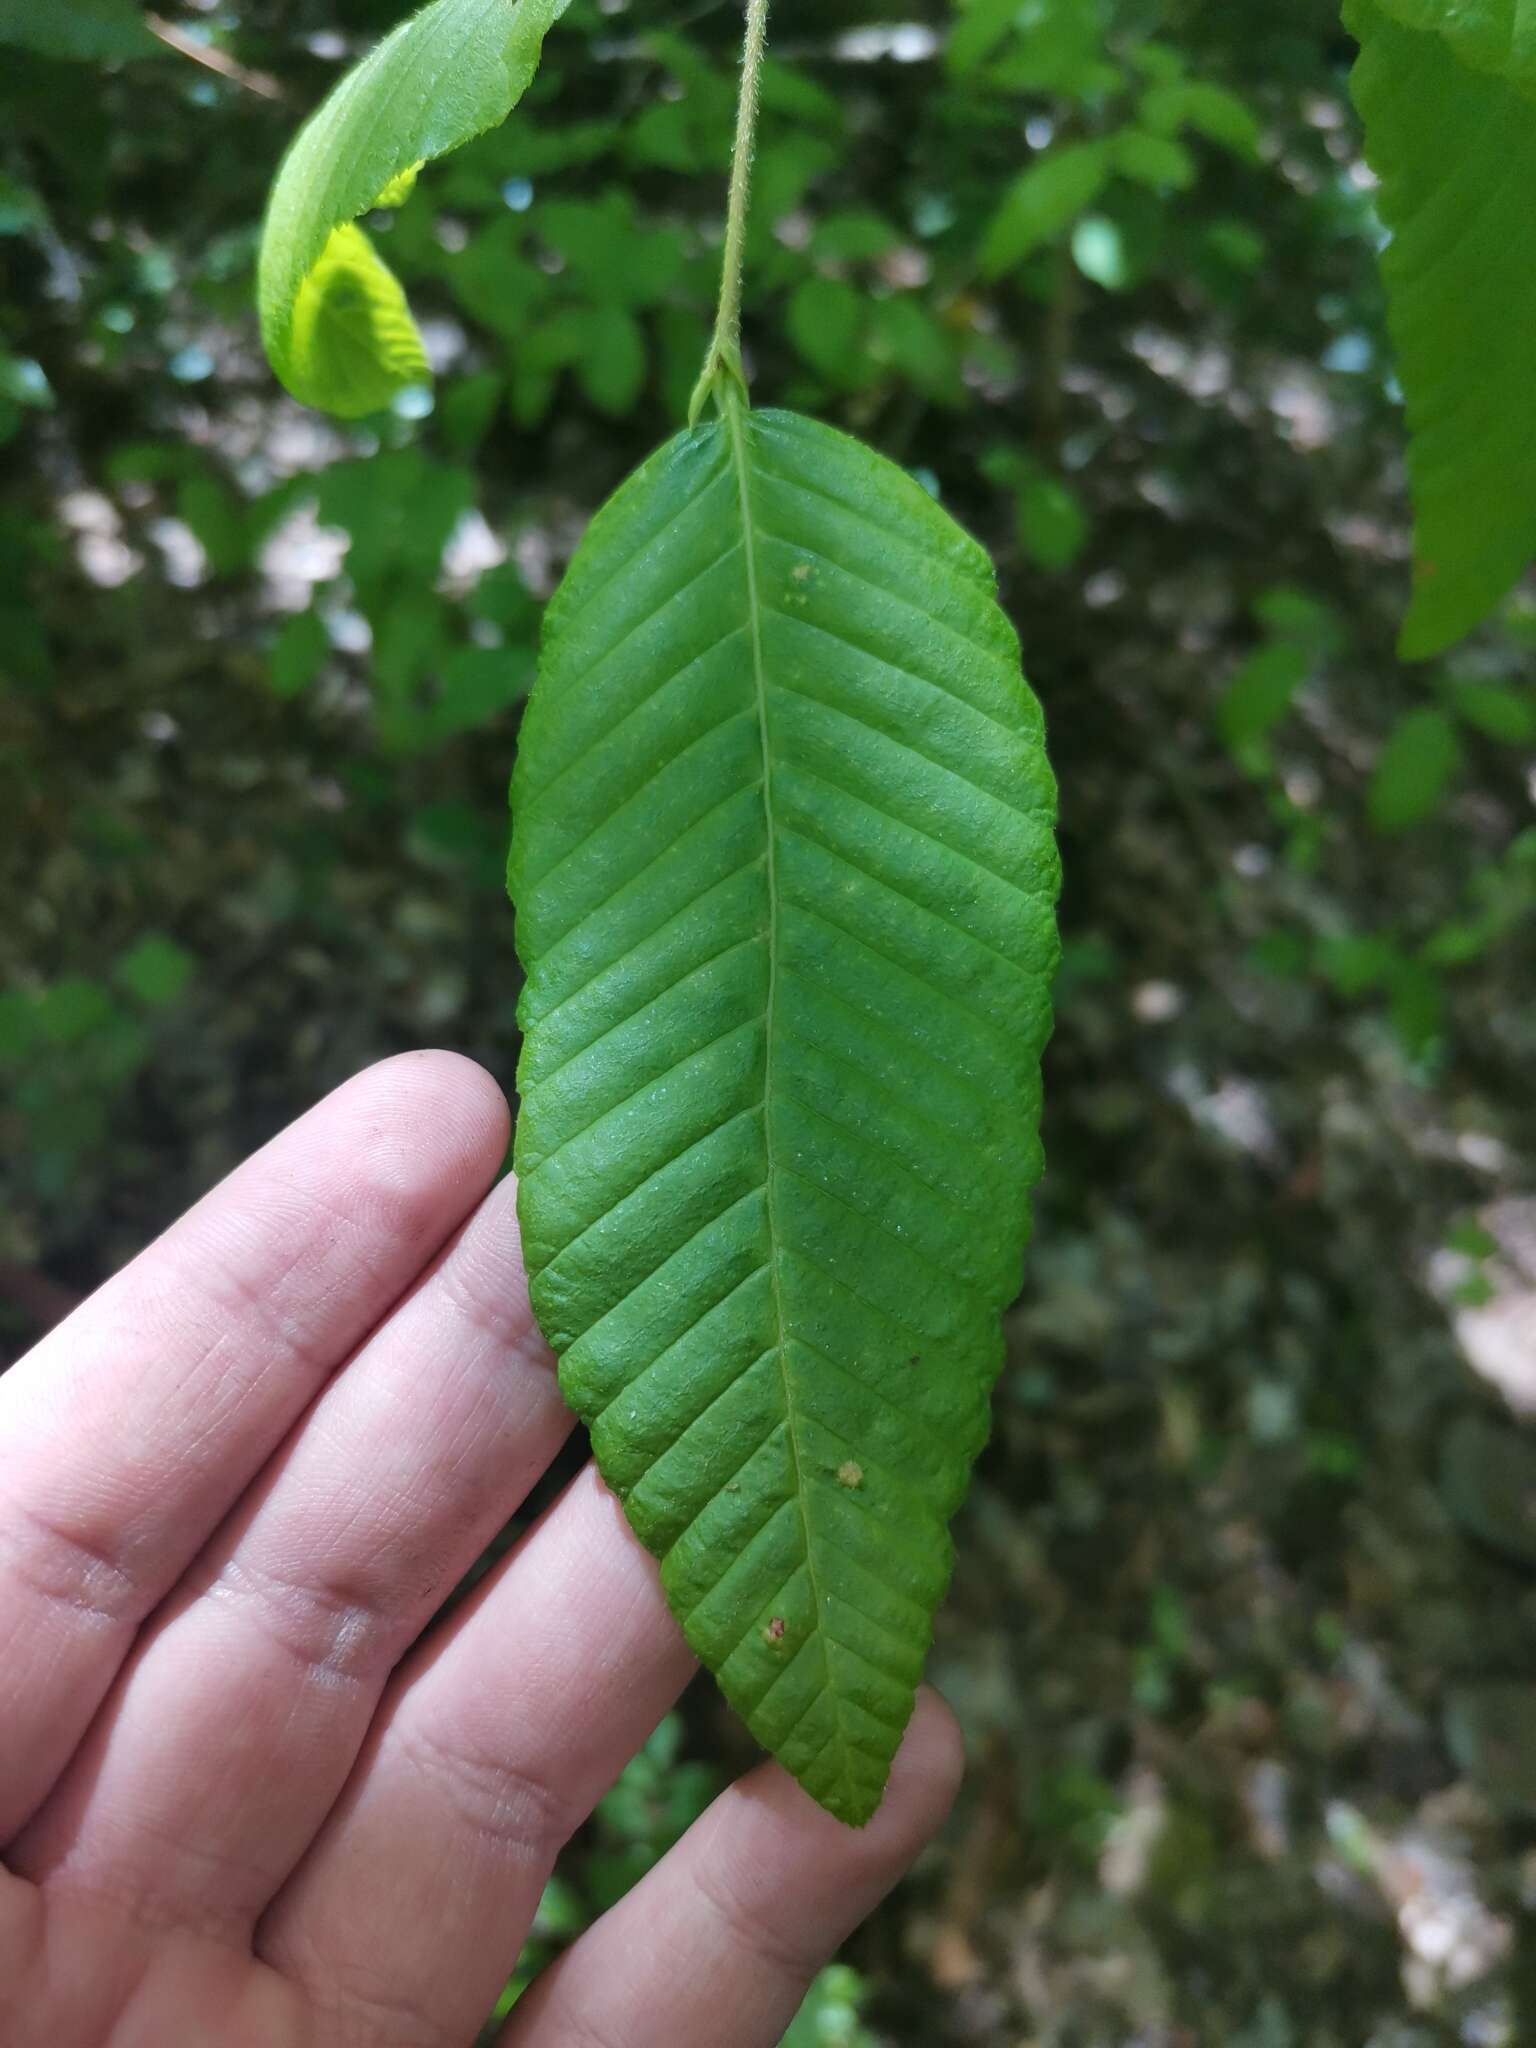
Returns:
(495,1741)
(234,1725)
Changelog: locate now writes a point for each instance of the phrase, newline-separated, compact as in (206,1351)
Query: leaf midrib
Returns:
(735,414)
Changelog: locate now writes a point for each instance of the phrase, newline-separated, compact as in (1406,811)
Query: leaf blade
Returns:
(784,872)
(1042,202)
(1415,768)
(87,31)
(1455,150)
(1497,36)
(440,78)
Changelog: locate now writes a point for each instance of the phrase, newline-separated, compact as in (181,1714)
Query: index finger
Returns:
(131,1429)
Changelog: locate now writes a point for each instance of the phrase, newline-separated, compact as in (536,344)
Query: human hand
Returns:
(242,1800)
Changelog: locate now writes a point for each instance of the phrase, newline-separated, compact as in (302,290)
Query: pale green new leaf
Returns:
(784,872)
(1455,150)
(334,319)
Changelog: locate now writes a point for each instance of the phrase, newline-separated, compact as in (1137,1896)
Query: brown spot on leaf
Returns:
(850,1474)
(774,1632)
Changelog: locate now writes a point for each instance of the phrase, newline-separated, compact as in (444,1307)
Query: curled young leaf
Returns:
(334,319)
(785,880)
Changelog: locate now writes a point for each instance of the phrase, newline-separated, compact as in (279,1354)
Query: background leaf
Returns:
(1042,201)
(1488,1479)
(1495,710)
(1210,110)
(78,29)
(1260,694)
(1053,527)
(1455,150)
(333,317)
(1417,763)
(1490,35)
(784,873)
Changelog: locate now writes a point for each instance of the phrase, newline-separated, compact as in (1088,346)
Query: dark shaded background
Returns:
(1242,1630)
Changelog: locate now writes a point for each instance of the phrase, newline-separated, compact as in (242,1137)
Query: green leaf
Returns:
(853,237)
(1235,243)
(1356,963)
(1455,151)
(825,320)
(1488,1483)
(1260,694)
(905,333)
(71,1010)
(1293,614)
(785,170)
(1042,202)
(982,25)
(1414,770)
(1495,710)
(613,363)
(800,99)
(784,874)
(333,316)
(1152,159)
(1048,46)
(88,31)
(477,683)
(156,970)
(1053,527)
(1489,35)
(616,259)
(1220,116)
(1490,1729)
(1416,1005)
(400,510)
(467,408)
(829,2017)
(298,654)
(218,519)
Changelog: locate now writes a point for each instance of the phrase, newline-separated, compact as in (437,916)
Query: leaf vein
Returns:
(624,1101)
(612,817)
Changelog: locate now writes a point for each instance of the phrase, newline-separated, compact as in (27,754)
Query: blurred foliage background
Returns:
(1243,1632)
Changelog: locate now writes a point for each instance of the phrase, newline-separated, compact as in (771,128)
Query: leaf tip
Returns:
(1425,631)
(855,1805)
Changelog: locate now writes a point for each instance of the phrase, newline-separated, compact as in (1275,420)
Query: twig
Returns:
(723,364)
(212,59)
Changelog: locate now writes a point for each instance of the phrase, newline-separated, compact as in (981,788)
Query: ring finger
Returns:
(495,1741)
(235,1722)
(742,1913)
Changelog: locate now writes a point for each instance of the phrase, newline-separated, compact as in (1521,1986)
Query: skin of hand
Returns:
(247,1795)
